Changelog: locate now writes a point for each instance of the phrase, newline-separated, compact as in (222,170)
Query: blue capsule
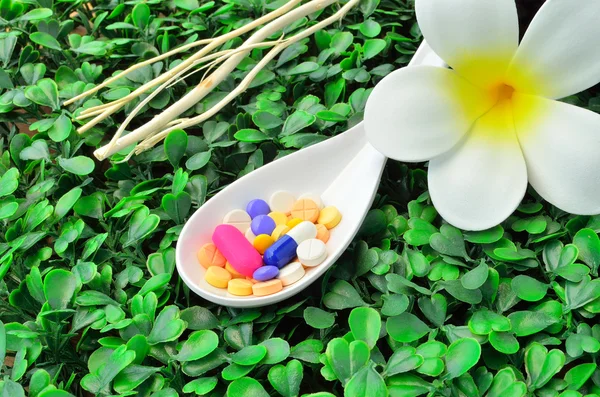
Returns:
(283,251)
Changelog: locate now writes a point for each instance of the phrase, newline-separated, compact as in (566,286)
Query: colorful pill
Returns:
(294,222)
(249,235)
(279,217)
(257,207)
(262,224)
(265,273)
(253,281)
(291,273)
(282,202)
(306,209)
(240,287)
(262,242)
(234,273)
(314,197)
(209,256)
(267,287)
(279,231)
(237,249)
(238,218)
(322,233)
(311,252)
(217,276)
(284,250)
(329,217)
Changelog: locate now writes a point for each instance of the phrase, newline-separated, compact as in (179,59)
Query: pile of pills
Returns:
(269,245)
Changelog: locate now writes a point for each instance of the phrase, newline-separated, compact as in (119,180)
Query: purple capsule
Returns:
(265,273)
(262,224)
(257,207)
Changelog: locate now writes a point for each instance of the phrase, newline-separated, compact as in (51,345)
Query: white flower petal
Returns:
(481,182)
(560,52)
(560,143)
(477,38)
(419,112)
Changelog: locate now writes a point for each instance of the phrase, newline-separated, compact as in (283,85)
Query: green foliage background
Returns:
(90,303)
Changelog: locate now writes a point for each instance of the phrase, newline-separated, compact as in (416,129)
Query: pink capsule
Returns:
(236,248)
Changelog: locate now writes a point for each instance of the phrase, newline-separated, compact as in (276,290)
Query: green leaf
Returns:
(346,359)
(266,120)
(581,293)
(37,151)
(370,28)
(526,322)
(61,128)
(168,327)
(286,380)
(44,93)
(488,236)
(577,376)
(449,241)
(249,355)
(504,342)
(366,383)
(342,296)
(476,277)
(542,365)
(317,318)
(296,122)
(528,288)
(45,40)
(403,360)
(246,387)
(141,224)
(99,380)
(9,182)
(434,308)
(406,328)
(59,287)
(505,384)
(365,325)
(177,206)
(201,386)
(277,350)
(66,202)
(373,47)
(485,321)
(251,135)
(456,289)
(176,142)
(588,243)
(141,15)
(79,165)
(461,356)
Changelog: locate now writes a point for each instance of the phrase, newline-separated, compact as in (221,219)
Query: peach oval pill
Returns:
(329,217)
(322,233)
(291,273)
(282,201)
(279,217)
(311,252)
(240,287)
(279,231)
(314,197)
(208,255)
(233,272)
(294,222)
(238,218)
(237,249)
(267,287)
(262,242)
(306,209)
(217,276)
(253,281)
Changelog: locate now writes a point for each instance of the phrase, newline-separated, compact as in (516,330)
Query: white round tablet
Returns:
(238,218)
(314,197)
(311,252)
(291,273)
(249,235)
(282,201)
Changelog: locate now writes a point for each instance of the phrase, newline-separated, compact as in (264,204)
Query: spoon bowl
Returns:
(344,171)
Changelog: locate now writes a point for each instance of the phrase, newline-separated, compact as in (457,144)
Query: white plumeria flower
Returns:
(492,122)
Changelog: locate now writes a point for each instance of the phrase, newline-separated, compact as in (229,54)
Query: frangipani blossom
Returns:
(492,122)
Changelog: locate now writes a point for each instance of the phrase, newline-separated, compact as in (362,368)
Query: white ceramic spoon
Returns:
(344,171)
